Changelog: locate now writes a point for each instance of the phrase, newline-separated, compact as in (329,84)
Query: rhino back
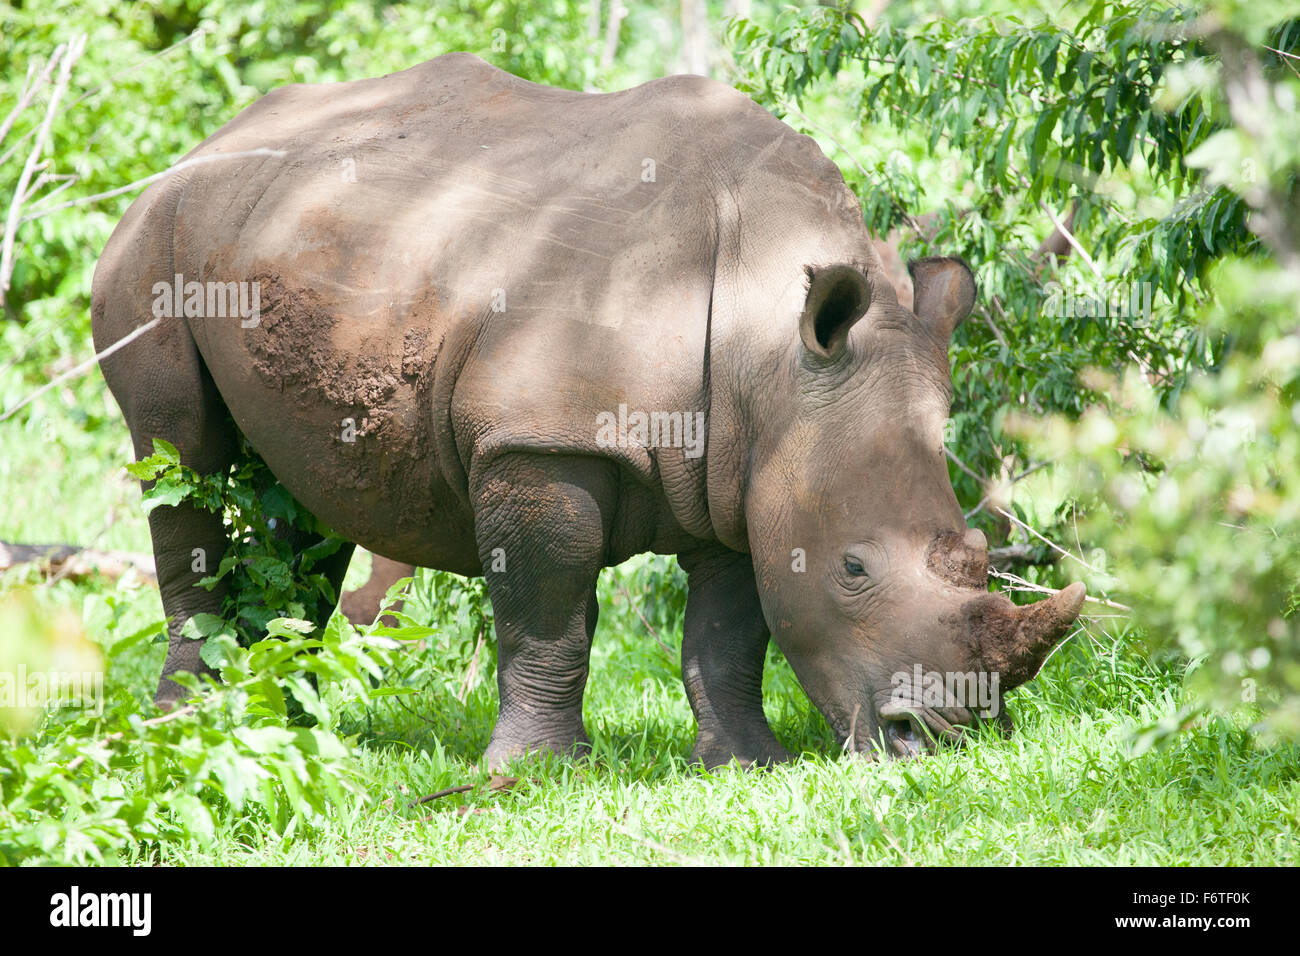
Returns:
(462,263)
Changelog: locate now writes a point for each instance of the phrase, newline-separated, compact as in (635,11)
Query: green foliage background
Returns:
(1162,454)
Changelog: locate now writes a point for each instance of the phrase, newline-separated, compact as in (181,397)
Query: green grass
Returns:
(1068,788)
(1065,790)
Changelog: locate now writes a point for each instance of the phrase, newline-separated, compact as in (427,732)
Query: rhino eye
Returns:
(853,567)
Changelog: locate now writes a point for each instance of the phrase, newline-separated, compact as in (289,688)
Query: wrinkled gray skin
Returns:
(471,268)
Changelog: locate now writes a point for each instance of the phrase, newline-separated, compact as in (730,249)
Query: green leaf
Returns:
(166,491)
(204,625)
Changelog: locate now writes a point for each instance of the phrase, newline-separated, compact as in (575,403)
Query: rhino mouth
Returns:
(909,730)
(902,739)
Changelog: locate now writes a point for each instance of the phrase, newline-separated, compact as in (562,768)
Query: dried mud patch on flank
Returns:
(303,349)
(295,347)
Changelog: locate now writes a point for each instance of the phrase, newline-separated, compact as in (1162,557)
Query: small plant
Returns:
(114,787)
(267,579)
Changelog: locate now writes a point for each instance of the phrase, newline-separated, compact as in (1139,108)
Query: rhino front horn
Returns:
(1016,641)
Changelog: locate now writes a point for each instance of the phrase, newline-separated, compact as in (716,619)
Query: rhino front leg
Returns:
(724,647)
(542,526)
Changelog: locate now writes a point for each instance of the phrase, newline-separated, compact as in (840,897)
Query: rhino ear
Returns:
(838,296)
(943,293)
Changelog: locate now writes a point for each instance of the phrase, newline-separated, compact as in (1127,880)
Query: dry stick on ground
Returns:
(69,566)
(76,562)
(151,722)
(496,784)
(463,788)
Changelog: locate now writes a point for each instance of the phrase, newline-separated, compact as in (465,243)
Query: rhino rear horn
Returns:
(943,293)
(838,296)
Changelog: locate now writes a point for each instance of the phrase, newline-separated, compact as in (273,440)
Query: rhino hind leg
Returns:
(724,647)
(542,525)
(165,392)
(188,543)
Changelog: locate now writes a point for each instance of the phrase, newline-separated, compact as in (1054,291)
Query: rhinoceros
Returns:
(491,327)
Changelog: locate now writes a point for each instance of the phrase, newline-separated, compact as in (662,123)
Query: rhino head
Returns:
(872,585)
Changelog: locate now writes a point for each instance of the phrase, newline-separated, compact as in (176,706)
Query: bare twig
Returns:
(983,482)
(77,370)
(1022,585)
(648,626)
(1064,230)
(463,788)
(496,784)
(616,14)
(170,171)
(472,674)
(1289,57)
(188,38)
(107,84)
(993,326)
(1053,545)
(28,92)
(1020,477)
(67,54)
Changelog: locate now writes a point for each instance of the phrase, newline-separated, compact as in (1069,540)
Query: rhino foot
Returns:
(712,753)
(502,749)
